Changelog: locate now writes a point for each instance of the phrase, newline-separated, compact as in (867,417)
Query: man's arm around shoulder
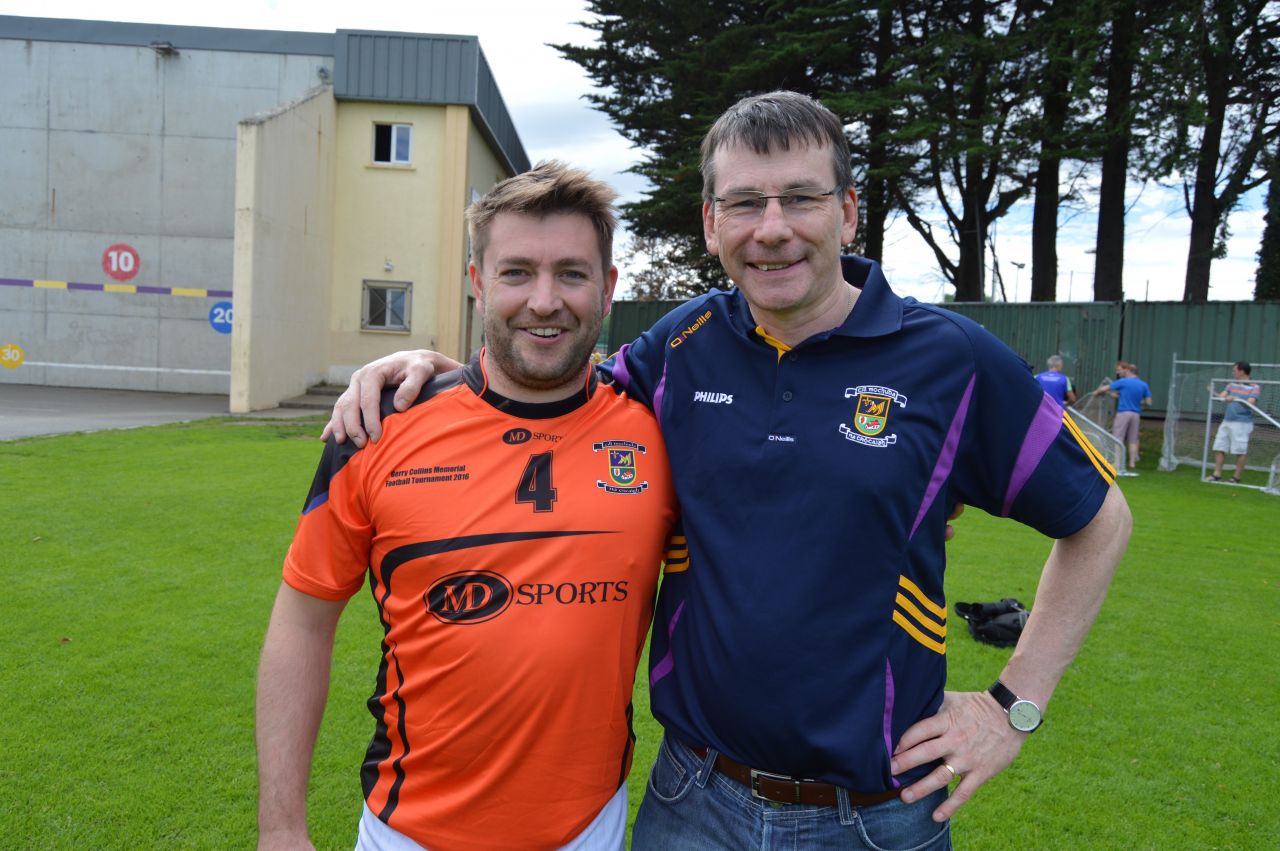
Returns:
(293,684)
(971,731)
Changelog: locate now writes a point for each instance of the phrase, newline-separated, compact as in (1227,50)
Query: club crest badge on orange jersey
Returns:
(873,406)
(623,466)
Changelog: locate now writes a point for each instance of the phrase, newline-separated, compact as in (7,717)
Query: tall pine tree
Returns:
(1223,56)
(1267,281)
(968,82)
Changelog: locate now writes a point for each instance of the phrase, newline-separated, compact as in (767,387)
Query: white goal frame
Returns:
(1193,410)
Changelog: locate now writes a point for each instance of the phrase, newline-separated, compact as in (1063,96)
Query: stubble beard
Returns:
(545,375)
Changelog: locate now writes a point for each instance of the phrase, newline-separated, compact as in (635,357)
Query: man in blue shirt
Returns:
(819,429)
(1132,395)
(1055,383)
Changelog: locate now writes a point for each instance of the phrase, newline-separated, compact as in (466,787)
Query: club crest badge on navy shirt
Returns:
(873,405)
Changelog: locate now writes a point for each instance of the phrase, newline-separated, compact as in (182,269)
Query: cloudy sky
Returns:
(544,94)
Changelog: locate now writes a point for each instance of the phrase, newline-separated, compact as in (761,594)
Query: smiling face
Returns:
(543,292)
(787,264)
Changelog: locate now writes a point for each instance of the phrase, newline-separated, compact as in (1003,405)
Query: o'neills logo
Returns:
(471,597)
(693,326)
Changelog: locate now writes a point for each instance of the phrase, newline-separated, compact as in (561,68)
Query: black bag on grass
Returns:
(998,624)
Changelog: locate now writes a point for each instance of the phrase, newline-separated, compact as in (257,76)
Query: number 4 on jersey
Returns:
(535,483)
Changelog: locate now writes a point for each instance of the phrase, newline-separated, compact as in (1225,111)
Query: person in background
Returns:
(1237,421)
(1056,383)
(1132,394)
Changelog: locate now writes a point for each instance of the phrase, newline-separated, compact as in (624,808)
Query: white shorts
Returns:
(607,831)
(1233,437)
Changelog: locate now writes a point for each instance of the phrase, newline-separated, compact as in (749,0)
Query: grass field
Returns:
(139,569)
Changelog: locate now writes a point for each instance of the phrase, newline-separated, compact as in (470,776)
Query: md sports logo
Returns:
(476,596)
(471,597)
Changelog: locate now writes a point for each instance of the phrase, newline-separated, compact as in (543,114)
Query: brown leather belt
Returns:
(789,790)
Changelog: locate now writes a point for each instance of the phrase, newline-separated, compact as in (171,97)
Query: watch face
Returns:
(1024,715)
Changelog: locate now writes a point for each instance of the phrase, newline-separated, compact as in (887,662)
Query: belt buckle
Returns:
(756,774)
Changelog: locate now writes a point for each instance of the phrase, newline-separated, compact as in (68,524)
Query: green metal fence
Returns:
(1090,336)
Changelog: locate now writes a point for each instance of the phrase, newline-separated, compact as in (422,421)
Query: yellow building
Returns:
(349,233)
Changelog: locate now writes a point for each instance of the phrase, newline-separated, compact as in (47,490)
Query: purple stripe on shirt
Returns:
(888,714)
(1044,428)
(947,459)
(220,293)
(620,373)
(659,393)
(155,290)
(668,662)
(73,285)
(16,282)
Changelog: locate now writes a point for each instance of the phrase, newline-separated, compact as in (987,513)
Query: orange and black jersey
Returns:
(513,552)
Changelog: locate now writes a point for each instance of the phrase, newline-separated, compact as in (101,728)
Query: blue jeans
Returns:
(689,805)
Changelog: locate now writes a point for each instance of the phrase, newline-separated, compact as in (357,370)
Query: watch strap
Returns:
(1001,693)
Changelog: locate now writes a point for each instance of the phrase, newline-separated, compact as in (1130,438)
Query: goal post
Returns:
(1091,416)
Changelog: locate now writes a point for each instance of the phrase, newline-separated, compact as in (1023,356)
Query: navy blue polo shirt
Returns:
(808,629)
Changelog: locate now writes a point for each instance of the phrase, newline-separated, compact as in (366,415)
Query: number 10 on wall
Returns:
(121,261)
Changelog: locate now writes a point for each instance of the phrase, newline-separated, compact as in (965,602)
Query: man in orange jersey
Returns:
(510,524)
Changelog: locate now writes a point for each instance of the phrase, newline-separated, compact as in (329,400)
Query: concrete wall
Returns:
(283,238)
(103,144)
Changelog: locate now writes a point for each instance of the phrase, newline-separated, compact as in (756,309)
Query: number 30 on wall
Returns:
(11,356)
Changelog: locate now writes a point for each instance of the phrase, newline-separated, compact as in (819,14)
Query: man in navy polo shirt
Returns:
(819,429)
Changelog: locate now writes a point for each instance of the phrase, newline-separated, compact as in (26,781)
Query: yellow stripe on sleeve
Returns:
(49,285)
(119,288)
(936,646)
(1102,464)
(924,620)
(915,591)
(188,291)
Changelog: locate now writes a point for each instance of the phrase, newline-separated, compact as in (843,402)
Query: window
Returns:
(386,306)
(391,143)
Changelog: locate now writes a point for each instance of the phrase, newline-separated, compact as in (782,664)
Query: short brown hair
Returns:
(776,121)
(547,188)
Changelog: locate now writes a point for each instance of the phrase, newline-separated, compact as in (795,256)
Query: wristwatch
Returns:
(1024,716)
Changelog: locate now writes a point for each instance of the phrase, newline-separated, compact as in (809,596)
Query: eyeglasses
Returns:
(751,205)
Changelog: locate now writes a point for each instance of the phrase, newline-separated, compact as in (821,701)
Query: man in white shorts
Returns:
(1237,421)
